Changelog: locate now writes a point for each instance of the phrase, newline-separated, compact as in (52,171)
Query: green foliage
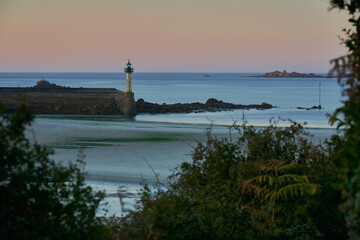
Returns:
(39,198)
(277,182)
(347,69)
(212,197)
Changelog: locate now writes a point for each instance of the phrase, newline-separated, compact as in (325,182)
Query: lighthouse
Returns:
(128,69)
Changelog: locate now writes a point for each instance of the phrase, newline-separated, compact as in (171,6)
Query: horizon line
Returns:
(145,72)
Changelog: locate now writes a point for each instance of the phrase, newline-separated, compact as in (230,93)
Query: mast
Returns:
(319,95)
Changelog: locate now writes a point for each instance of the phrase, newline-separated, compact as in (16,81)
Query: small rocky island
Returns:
(285,74)
(211,105)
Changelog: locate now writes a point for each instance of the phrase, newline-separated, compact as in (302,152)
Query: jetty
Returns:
(47,98)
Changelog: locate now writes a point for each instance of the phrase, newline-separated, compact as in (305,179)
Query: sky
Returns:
(169,35)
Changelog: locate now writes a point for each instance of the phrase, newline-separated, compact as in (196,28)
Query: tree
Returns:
(41,199)
(347,69)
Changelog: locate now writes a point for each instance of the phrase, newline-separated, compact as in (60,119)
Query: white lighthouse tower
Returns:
(129,70)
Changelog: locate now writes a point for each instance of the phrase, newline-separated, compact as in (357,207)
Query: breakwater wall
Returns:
(65,100)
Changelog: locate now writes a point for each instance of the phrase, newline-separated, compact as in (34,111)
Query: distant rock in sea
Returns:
(206,76)
(285,74)
(310,108)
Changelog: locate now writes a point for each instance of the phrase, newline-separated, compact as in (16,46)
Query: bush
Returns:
(39,198)
(267,183)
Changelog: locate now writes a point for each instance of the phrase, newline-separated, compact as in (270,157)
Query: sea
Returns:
(122,154)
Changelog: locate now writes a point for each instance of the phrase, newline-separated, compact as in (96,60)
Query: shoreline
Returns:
(116,118)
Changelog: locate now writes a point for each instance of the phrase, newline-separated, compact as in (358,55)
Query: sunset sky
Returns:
(169,35)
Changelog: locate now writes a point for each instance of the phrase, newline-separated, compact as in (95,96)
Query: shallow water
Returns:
(128,151)
(121,150)
(124,154)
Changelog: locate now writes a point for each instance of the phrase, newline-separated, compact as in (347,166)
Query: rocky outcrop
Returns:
(211,105)
(285,74)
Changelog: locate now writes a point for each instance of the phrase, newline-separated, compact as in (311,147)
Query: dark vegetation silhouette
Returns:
(41,199)
(347,68)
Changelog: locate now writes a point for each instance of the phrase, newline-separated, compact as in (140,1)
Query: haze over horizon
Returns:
(169,36)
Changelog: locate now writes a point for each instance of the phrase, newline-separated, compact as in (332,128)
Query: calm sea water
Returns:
(123,151)
(239,88)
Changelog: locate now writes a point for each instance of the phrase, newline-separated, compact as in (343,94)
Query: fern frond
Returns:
(292,177)
(259,179)
(264,178)
(296,189)
(257,191)
(288,167)
(269,195)
(272,166)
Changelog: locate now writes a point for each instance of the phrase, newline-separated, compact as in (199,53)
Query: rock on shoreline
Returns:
(211,105)
(285,74)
